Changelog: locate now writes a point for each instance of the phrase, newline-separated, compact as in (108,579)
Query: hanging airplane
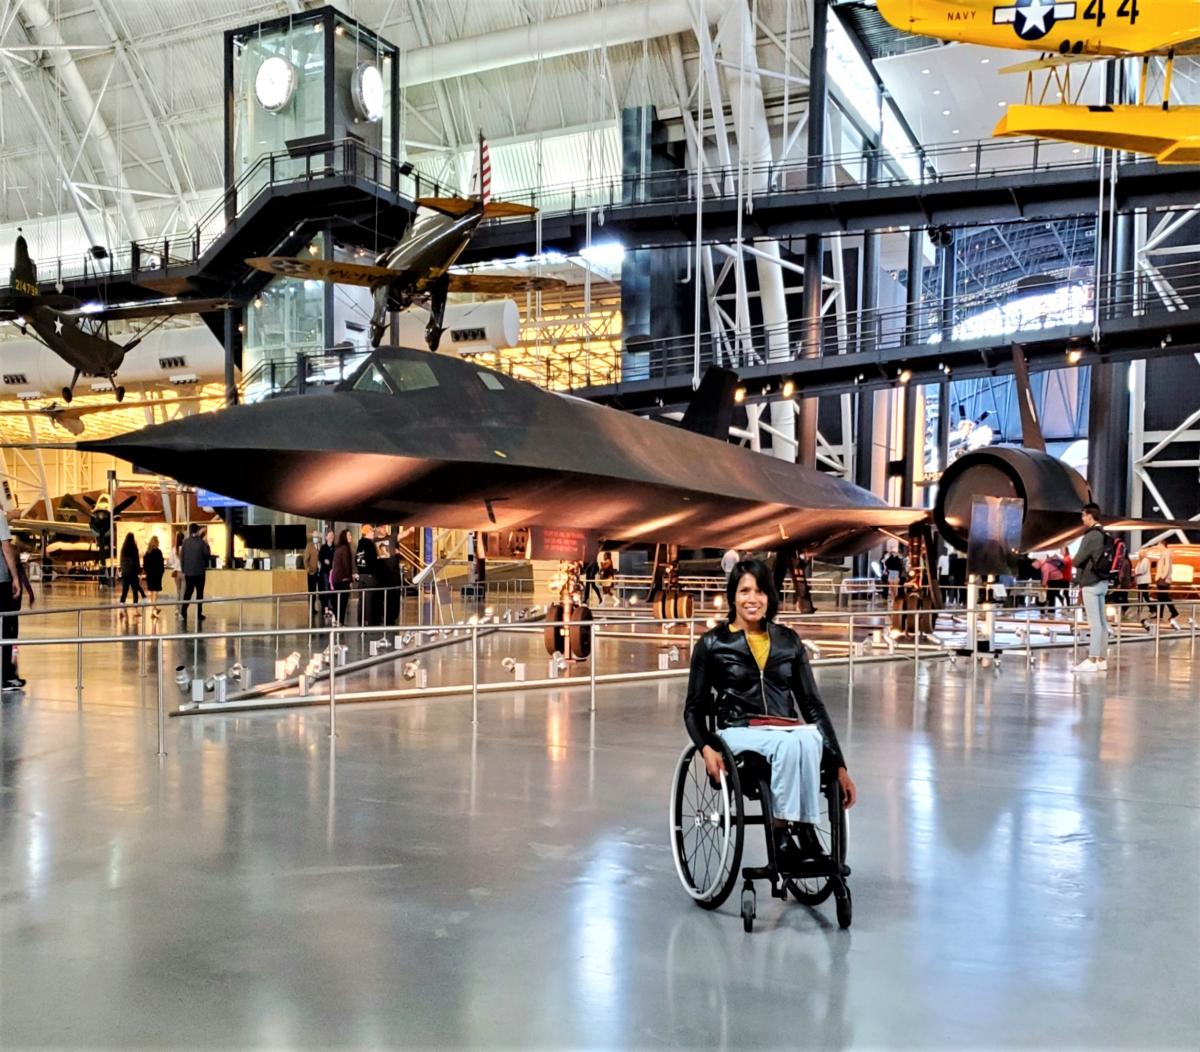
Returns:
(417,269)
(70,418)
(78,333)
(1067,34)
(413,437)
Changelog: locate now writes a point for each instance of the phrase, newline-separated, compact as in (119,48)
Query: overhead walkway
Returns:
(876,348)
(1002,182)
(284,198)
(277,206)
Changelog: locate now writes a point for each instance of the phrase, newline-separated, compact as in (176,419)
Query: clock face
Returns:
(275,83)
(366,89)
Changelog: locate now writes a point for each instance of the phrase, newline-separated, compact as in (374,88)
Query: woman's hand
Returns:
(849,790)
(713,763)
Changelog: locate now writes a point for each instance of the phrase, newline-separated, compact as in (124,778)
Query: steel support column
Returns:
(912,314)
(814,249)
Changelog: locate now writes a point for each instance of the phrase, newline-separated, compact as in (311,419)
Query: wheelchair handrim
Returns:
(677,836)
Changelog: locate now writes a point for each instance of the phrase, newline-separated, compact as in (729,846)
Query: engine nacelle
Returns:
(1053,493)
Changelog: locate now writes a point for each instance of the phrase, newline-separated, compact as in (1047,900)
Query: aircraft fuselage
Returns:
(426,254)
(1078,27)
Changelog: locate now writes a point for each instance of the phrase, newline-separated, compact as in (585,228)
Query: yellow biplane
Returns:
(1068,34)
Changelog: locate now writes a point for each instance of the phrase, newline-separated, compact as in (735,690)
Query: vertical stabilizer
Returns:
(24,273)
(711,409)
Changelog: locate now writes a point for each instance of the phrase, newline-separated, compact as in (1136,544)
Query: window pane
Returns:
(490,382)
(408,375)
(372,380)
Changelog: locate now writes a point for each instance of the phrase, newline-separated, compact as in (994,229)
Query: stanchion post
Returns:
(474,673)
(333,682)
(592,665)
(79,653)
(162,705)
(1157,632)
(916,654)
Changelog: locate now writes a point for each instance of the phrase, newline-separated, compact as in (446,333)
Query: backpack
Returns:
(1108,562)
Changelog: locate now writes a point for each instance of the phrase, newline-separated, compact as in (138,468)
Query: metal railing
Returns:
(980,624)
(951,162)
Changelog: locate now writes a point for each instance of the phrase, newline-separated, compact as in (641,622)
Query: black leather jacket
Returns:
(726,681)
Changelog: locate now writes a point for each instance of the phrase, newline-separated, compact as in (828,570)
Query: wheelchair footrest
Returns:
(758,873)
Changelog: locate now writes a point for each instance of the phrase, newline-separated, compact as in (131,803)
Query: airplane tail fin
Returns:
(24,273)
(481,176)
(711,409)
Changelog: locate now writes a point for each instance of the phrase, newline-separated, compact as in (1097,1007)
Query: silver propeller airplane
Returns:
(417,270)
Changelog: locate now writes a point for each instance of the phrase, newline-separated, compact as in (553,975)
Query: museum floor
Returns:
(1024,871)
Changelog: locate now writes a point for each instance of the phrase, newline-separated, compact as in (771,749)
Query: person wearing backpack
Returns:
(1093,566)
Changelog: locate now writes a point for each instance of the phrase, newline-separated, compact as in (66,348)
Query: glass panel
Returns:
(372,380)
(490,382)
(408,375)
(258,131)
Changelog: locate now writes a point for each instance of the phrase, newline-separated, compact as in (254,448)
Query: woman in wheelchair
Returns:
(751,690)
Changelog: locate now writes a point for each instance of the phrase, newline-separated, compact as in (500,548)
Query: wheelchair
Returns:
(708,831)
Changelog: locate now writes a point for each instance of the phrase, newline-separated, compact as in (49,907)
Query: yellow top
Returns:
(760,646)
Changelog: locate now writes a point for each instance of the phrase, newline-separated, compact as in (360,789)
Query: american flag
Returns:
(485,172)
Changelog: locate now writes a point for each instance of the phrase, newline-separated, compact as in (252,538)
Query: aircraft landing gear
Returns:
(437,312)
(67,394)
(120,392)
(667,599)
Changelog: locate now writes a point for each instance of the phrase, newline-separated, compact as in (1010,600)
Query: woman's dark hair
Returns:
(763,577)
(179,539)
(130,545)
(343,538)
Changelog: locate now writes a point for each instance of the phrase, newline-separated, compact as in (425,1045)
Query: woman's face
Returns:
(329,536)
(750,601)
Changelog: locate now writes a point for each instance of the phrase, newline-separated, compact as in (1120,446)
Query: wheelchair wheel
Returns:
(845,909)
(831,832)
(707,828)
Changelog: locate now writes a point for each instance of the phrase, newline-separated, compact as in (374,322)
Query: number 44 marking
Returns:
(1128,9)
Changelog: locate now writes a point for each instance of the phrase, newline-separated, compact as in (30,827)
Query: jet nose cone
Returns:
(249,452)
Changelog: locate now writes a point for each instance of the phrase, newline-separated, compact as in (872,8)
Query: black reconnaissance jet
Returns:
(417,269)
(78,333)
(419,438)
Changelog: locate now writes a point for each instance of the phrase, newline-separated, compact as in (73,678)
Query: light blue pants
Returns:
(795,758)
(1093,596)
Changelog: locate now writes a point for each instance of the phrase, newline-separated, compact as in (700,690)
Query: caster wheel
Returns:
(845,908)
(748,909)
(67,394)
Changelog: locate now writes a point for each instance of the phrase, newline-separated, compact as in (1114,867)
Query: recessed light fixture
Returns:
(1002,104)
(1076,150)
(937,91)
(925,71)
(905,375)
(1074,355)
(954,131)
(739,396)
(984,61)
(789,389)
(945,113)
(962,149)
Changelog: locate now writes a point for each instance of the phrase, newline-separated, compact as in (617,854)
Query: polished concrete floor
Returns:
(1024,852)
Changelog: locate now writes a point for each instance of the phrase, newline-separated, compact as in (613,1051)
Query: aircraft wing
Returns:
(69,529)
(152,309)
(501,284)
(330,270)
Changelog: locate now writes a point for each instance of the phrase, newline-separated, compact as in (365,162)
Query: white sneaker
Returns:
(1175,624)
(1102,665)
(1090,665)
